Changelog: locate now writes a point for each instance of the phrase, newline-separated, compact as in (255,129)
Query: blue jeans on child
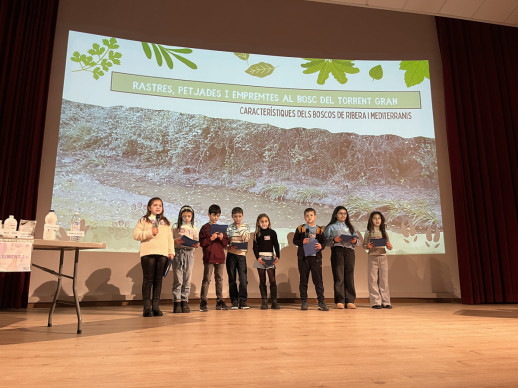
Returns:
(236,265)
(182,274)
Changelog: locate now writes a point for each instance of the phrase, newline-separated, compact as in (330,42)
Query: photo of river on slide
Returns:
(110,161)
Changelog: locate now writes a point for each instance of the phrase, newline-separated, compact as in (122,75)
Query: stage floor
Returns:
(412,345)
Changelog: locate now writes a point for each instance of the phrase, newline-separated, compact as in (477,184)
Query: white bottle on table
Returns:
(10,226)
(75,226)
(49,233)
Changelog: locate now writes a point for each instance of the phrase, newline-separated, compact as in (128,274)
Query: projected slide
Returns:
(269,134)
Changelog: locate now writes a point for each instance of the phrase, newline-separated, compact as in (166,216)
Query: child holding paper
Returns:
(311,241)
(267,254)
(238,234)
(185,236)
(156,244)
(213,240)
(342,237)
(375,240)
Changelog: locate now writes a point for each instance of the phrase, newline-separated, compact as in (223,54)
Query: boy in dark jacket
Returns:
(310,260)
(213,246)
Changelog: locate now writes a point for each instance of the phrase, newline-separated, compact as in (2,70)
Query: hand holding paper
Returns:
(188,241)
(217,228)
(310,248)
(238,245)
(379,242)
(268,260)
(167,266)
(347,237)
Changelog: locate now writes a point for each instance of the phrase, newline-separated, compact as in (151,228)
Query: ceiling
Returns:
(489,11)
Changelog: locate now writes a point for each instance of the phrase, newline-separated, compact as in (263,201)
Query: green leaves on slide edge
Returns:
(376,72)
(261,69)
(242,56)
(163,53)
(415,72)
(106,58)
(100,58)
(337,67)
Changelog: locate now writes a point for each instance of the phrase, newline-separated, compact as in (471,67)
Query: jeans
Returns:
(342,264)
(218,277)
(311,264)
(153,267)
(182,274)
(236,265)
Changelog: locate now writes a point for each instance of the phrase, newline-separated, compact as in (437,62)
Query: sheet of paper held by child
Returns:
(310,249)
(167,266)
(189,241)
(379,242)
(218,228)
(268,260)
(346,237)
(240,245)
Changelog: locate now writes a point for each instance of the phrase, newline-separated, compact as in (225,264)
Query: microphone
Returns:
(157,220)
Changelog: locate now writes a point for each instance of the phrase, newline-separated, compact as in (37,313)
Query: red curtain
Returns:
(481,97)
(26,39)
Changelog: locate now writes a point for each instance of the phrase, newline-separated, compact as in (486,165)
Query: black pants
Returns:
(153,267)
(236,265)
(314,265)
(262,283)
(262,276)
(342,264)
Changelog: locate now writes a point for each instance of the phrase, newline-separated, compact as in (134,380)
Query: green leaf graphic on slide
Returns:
(163,53)
(337,67)
(376,72)
(261,69)
(242,56)
(415,72)
(105,57)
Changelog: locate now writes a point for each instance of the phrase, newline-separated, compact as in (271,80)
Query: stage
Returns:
(412,345)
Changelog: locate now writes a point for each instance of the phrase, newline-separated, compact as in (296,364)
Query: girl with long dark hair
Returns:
(343,238)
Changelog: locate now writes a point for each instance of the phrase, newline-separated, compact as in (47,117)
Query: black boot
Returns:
(264,297)
(177,307)
(157,291)
(185,307)
(146,298)
(273,295)
(147,312)
(156,308)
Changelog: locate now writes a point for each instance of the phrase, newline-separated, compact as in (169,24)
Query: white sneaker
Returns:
(351,306)
(340,306)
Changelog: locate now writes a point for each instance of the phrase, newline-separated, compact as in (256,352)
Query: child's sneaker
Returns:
(304,306)
(322,306)
(387,306)
(203,306)
(235,305)
(340,306)
(351,306)
(243,305)
(220,305)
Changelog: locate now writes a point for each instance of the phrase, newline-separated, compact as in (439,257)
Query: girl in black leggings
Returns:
(156,245)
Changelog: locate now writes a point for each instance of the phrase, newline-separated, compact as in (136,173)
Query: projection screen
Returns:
(270,134)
